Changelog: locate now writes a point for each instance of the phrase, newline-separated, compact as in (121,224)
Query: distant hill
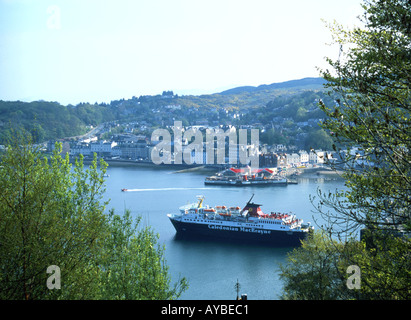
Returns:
(295,99)
(46,120)
(309,83)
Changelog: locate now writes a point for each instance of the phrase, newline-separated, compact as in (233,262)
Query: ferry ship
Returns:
(245,177)
(248,224)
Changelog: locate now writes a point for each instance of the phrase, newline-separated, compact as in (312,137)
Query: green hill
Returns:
(296,99)
(305,83)
(50,120)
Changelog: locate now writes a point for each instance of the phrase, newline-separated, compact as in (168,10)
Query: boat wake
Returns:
(164,189)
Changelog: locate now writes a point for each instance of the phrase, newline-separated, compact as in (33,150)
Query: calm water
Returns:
(212,268)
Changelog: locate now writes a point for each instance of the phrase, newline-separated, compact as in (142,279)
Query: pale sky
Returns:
(74,51)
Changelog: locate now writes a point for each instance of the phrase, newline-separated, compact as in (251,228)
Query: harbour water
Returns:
(212,267)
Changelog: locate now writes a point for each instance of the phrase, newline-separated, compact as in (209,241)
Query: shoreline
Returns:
(183,168)
(318,171)
(180,168)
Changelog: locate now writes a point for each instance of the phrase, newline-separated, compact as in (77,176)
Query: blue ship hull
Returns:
(240,234)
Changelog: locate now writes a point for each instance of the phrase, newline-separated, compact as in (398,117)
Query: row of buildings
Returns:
(300,159)
(124,147)
(140,148)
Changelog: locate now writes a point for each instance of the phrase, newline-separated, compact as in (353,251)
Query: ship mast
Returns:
(250,199)
(253,209)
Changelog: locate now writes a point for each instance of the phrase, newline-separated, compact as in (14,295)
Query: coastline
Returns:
(180,168)
(183,168)
(318,171)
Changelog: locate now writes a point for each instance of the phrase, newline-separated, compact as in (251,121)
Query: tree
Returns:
(49,215)
(301,114)
(372,120)
(373,115)
(52,214)
(311,271)
(318,139)
(370,125)
(136,263)
(273,136)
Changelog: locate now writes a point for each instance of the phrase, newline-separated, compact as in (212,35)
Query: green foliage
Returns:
(49,120)
(273,136)
(385,266)
(299,106)
(318,139)
(371,119)
(51,213)
(296,100)
(318,269)
(135,263)
(311,271)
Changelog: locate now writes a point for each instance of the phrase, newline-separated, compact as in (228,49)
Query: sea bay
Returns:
(212,267)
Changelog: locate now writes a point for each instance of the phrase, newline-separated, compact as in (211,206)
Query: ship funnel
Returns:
(200,201)
(250,199)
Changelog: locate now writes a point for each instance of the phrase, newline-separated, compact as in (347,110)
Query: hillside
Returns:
(296,100)
(50,120)
(305,83)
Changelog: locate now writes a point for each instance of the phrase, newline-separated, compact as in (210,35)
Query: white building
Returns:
(99,147)
(80,148)
(316,156)
(319,156)
(102,146)
(89,140)
(304,157)
(293,159)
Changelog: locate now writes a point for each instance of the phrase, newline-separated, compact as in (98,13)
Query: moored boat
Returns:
(245,177)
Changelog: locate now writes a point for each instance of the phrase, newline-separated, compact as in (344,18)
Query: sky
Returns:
(73,51)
